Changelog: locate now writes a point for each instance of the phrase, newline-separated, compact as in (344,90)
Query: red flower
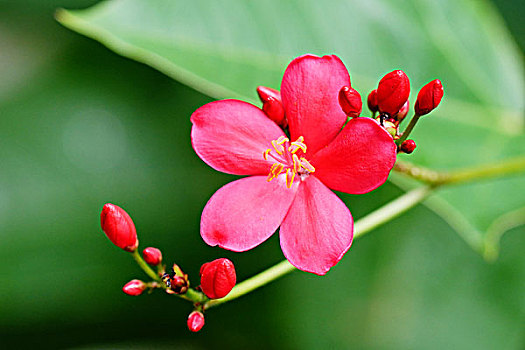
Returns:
(291,178)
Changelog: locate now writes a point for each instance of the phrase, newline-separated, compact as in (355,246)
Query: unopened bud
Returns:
(392,92)
(429,97)
(402,113)
(152,256)
(408,146)
(272,105)
(372,101)
(119,227)
(195,321)
(350,101)
(218,278)
(134,287)
(179,284)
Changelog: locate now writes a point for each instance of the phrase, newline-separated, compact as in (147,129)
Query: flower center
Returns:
(286,159)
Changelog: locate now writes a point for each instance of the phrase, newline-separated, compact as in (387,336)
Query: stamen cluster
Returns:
(284,153)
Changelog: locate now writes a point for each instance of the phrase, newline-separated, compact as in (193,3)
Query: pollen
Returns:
(283,152)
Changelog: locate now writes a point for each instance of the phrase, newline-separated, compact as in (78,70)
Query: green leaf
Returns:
(226,49)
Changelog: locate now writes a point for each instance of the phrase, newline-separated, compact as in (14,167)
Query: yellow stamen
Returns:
(265,154)
(277,147)
(282,139)
(289,178)
(296,163)
(287,160)
(306,165)
(275,171)
(298,145)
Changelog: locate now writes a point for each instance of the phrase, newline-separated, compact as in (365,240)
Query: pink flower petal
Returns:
(317,230)
(358,160)
(246,212)
(231,136)
(310,90)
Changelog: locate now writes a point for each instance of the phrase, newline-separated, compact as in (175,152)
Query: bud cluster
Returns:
(390,99)
(176,282)
(217,277)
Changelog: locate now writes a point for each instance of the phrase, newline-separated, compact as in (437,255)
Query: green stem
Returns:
(507,167)
(257,281)
(408,130)
(191,295)
(144,266)
(435,178)
(390,210)
(361,227)
(504,223)
(194,296)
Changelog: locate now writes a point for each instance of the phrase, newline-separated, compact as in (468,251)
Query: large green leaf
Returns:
(227,48)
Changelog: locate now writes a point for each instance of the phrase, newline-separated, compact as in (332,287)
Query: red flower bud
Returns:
(119,227)
(372,101)
(350,101)
(429,97)
(408,146)
(134,287)
(195,321)
(392,92)
(272,105)
(218,278)
(179,284)
(153,256)
(402,113)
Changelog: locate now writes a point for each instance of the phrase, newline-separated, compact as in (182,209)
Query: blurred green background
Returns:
(82,126)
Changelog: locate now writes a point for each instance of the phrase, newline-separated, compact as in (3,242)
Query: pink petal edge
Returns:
(231,136)
(318,229)
(309,91)
(244,213)
(358,160)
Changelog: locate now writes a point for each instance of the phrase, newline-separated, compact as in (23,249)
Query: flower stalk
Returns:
(191,295)
(408,130)
(145,267)
(486,171)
